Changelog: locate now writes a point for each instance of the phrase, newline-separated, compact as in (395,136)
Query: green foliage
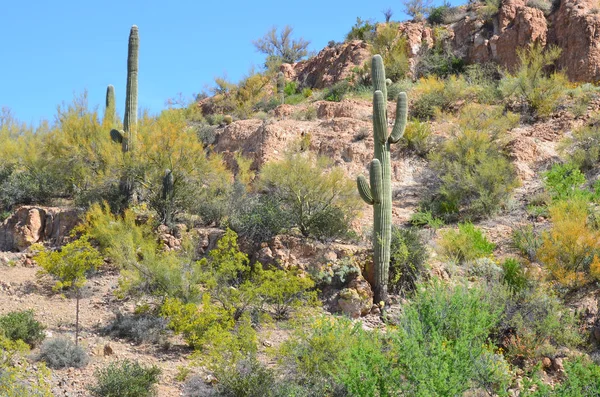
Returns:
(426,218)
(489,9)
(125,379)
(336,92)
(582,379)
(70,265)
(539,92)
(21,325)
(439,60)
(291,88)
(283,291)
(465,244)
(362,30)
(17,377)
(417,137)
(436,14)
(441,343)
(260,219)
(543,5)
(62,353)
(527,241)
(393,48)
(281,45)
(417,9)
(513,275)
(564,181)
(318,199)
(475,176)
(583,147)
(248,378)
(408,255)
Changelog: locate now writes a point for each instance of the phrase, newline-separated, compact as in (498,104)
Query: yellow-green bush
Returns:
(393,48)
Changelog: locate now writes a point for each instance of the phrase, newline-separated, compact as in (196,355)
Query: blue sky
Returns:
(53,50)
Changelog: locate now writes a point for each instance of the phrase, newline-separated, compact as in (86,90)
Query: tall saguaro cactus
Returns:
(379,192)
(281,87)
(131,98)
(127,136)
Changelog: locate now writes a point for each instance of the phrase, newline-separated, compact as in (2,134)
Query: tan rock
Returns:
(357,299)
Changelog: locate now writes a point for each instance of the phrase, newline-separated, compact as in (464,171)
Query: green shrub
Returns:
(513,275)
(22,326)
(583,148)
(436,14)
(439,60)
(527,241)
(582,379)
(295,99)
(206,134)
(319,200)
(125,379)
(362,30)
(291,88)
(442,343)
(543,5)
(417,137)
(539,92)
(393,48)
(336,92)
(248,378)
(62,353)
(143,328)
(426,218)
(465,244)
(260,220)
(407,259)
(564,181)
(475,177)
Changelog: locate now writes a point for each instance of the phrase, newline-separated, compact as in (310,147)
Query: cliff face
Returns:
(574,27)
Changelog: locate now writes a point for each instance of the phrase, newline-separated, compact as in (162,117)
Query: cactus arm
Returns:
(376,181)
(110,110)
(401,116)
(379,117)
(117,136)
(364,190)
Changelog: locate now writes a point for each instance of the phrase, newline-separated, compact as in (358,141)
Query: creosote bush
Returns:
(465,244)
(22,326)
(62,353)
(125,379)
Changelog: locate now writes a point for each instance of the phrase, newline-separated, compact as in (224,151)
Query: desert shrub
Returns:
(543,5)
(336,92)
(583,148)
(527,241)
(206,134)
(475,176)
(285,291)
(319,200)
(564,181)
(417,9)
(426,218)
(534,323)
(21,325)
(281,45)
(125,379)
(436,14)
(396,88)
(142,328)
(19,378)
(393,48)
(442,343)
(295,99)
(336,274)
(538,91)
(362,30)
(407,259)
(465,244)
(417,137)
(513,275)
(307,92)
(489,9)
(439,60)
(261,219)
(485,269)
(582,378)
(491,118)
(429,97)
(570,249)
(246,377)
(291,88)
(62,353)
(195,386)
(580,98)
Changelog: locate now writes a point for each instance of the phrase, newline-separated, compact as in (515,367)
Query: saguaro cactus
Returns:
(127,136)
(110,111)
(379,192)
(281,87)
(167,195)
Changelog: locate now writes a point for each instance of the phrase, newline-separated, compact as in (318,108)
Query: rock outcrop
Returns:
(33,224)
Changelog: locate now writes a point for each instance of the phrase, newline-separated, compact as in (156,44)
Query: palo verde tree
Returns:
(281,46)
(379,193)
(69,267)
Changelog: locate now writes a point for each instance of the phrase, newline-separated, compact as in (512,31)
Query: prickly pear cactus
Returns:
(378,192)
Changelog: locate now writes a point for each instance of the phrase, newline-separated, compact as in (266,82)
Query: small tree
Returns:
(281,46)
(69,267)
(319,200)
(416,8)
